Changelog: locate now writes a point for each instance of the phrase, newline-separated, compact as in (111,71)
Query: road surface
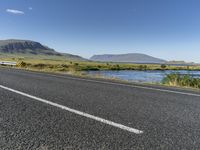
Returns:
(47,111)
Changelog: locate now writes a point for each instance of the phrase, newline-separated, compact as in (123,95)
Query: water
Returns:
(143,76)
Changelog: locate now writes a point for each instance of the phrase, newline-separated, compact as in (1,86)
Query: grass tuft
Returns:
(177,79)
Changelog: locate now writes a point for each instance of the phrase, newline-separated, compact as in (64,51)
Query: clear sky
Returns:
(169,29)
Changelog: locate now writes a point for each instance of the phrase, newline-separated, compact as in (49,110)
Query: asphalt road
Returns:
(168,118)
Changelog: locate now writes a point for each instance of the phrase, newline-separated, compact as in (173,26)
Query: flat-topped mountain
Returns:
(25,46)
(127,58)
(14,46)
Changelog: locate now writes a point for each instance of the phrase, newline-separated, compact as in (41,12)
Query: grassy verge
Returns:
(97,66)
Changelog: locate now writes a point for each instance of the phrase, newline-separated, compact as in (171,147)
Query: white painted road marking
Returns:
(117,125)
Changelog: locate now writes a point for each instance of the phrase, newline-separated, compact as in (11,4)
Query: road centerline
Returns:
(77,112)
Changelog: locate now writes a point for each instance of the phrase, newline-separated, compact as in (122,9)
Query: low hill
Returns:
(14,46)
(181,63)
(127,58)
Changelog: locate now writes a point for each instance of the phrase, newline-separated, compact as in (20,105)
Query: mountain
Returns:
(14,46)
(25,46)
(128,58)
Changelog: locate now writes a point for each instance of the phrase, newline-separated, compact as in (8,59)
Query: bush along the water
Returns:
(177,79)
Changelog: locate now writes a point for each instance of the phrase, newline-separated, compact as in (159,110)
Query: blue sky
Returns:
(169,29)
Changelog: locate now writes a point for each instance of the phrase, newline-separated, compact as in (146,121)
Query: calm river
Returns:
(142,76)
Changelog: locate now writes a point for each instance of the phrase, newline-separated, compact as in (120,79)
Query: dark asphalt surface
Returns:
(169,120)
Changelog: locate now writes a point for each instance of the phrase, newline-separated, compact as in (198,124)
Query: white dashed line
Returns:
(117,125)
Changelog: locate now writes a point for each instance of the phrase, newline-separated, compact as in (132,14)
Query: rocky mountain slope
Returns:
(14,46)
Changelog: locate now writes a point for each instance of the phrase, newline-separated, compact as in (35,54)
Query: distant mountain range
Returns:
(127,58)
(14,46)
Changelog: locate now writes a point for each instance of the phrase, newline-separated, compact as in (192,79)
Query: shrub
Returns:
(99,66)
(40,65)
(64,66)
(142,67)
(163,66)
(76,64)
(22,64)
(90,68)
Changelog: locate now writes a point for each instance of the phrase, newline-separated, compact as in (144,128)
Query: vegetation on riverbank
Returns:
(177,79)
(97,66)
